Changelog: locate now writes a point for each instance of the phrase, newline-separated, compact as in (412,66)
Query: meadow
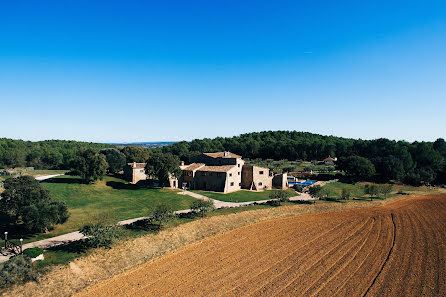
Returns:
(111,196)
(240,196)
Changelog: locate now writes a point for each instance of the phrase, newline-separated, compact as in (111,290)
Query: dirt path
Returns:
(44,177)
(398,249)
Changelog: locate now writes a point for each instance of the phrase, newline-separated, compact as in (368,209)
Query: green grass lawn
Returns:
(112,197)
(239,196)
(357,190)
(44,172)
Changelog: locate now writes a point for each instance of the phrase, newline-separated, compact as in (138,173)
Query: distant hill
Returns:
(145,144)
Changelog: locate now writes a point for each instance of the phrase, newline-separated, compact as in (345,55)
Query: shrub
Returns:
(316,192)
(161,214)
(385,190)
(281,195)
(299,188)
(346,194)
(17,270)
(100,235)
(201,207)
(33,252)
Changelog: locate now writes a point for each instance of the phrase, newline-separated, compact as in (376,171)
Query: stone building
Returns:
(134,172)
(280,181)
(224,172)
(219,172)
(256,178)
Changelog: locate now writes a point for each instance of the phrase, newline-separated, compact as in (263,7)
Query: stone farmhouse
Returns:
(224,172)
(134,172)
(218,172)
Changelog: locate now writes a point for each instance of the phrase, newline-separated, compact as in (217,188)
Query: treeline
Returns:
(413,163)
(48,154)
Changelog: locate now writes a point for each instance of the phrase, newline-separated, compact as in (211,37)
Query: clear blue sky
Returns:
(173,70)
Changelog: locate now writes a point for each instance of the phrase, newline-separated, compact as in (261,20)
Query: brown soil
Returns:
(398,249)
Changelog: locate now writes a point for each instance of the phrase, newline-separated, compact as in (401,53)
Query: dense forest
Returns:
(48,154)
(414,163)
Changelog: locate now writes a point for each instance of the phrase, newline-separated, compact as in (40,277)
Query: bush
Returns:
(281,195)
(346,194)
(33,252)
(100,235)
(299,188)
(316,192)
(17,270)
(201,207)
(161,214)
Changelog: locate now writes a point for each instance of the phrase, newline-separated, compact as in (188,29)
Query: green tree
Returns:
(201,207)
(279,195)
(346,194)
(28,205)
(135,154)
(386,189)
(161,214)
(316,192)
(100,235)
(357,168)
(115,159)
(372,190)
(90,165)
(164,166)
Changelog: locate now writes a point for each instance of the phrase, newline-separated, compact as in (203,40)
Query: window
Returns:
(260,183)
(232,184)
(210,174)
(238,173)
(230,174)
(142,170)
(240,184)
(203,173)
(260,172)
(238,165)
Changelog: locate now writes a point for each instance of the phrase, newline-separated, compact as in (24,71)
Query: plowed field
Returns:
(394,250)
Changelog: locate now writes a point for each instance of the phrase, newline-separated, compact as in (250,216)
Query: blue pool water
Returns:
(307,183)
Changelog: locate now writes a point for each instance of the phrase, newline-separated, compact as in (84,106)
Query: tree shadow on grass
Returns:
(63,180)
(78,246)
(123,186)
(188,215)
(143,225)
(303,201)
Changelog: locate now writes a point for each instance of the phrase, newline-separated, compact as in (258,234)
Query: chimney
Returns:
(226,154)
(134,164)
(182,163)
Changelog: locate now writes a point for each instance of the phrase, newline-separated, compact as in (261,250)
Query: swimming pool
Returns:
(307,183)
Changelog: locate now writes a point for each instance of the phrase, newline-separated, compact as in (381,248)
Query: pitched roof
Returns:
(222,155)
(329,159)
(137,165)
(193,166)
(224,168)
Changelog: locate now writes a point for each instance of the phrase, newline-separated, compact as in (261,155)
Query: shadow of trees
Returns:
(63,180)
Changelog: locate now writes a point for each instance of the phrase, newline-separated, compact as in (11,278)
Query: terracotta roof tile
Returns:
(137,165)
(222,155)
(193,166)
(224,168)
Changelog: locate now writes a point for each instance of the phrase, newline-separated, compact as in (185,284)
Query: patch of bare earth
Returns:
(260,252)
(393,250)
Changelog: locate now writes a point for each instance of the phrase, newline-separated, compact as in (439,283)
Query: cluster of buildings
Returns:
(219,172)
